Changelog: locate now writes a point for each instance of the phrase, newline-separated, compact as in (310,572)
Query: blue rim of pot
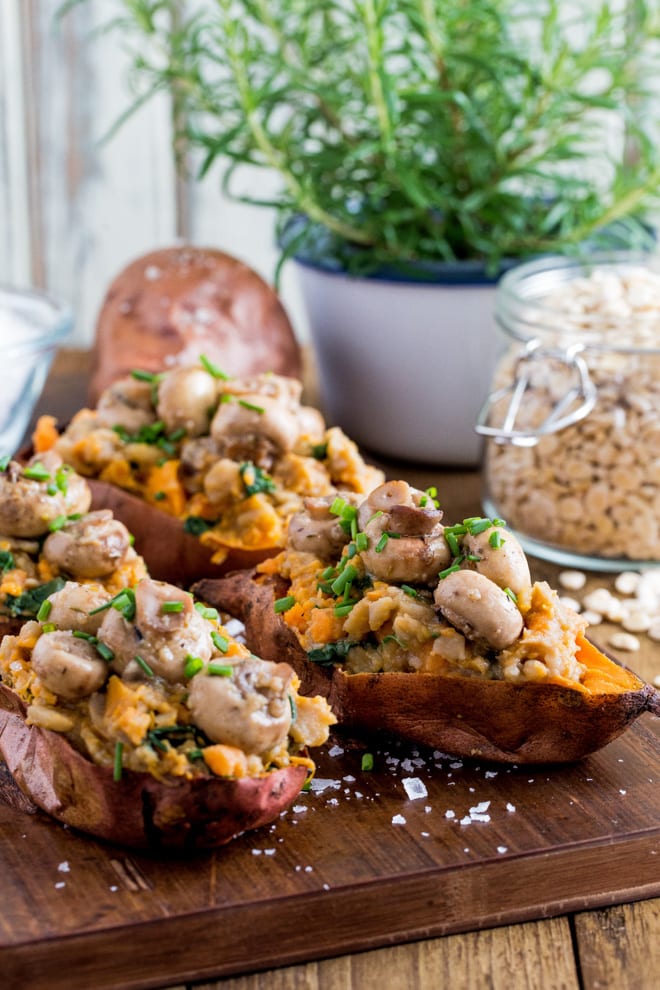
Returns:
(315,247)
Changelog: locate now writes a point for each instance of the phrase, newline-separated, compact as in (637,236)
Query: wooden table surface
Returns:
(606,949)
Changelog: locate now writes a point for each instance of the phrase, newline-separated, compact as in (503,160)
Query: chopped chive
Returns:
(448,570)
(81,634)
(4,462)
(337,507)
(343,608)
(367,762)
(144,376)
(159,496)
(329,572)
(382,543)
(351,551)
(36,472)
(362,541)
(453,544)
(212,368)
(194,754)
(220,642)
(51,489)
(196,525)
(345,579)
(104,651)
(320,451)
(376,514)
(193,666)
(251,406)
(294,708)
(44,610)
(171,607)
(123,601)
(498,522)
(62,478)
(117,769)
(496,540)
(284,604)
(49,627)
(325,587)
(512,595)
(219,669)
(459,529)
(145,666)
(58,523)
(205,611)
(412,592)
(474,557)
(177,435)
(477,526)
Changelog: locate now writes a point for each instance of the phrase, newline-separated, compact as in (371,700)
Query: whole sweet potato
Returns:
(168,306)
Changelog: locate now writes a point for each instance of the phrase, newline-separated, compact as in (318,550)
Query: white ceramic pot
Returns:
(404,366)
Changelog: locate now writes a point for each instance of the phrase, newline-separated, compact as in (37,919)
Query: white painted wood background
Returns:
(74,211)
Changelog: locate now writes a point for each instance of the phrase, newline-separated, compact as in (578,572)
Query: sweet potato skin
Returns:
(168,306)
(490,720)
(169,552)
(138,810)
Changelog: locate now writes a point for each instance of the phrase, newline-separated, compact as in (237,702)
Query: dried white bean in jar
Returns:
(593,487)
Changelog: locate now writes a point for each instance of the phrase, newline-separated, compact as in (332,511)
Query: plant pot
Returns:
(404,366)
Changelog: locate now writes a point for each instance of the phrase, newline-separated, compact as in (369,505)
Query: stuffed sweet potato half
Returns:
(433,632)
(136,717)
(48,536)
(206,469)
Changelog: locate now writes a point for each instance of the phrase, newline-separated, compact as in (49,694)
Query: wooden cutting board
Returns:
(361,861)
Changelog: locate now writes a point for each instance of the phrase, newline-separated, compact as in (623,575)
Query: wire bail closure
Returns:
(582,391)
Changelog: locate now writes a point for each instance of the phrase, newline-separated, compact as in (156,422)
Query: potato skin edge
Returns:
(490,720)
(138,810)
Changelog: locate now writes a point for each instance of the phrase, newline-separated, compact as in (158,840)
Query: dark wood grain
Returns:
(340,872)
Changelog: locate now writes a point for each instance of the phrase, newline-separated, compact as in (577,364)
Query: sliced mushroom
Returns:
(255,428)
(69,667)
(250,709)
(478,608)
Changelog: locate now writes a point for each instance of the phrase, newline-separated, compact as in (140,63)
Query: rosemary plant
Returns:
(409,130)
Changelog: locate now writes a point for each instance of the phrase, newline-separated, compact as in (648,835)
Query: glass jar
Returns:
(572,459)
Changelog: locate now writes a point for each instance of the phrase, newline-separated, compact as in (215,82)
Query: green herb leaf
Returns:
(212,368)
(331,652)
(196,525)
(255,480)
(29,602)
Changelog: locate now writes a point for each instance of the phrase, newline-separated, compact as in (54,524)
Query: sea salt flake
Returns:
(298,808)
(320,784)
(622,791)
(256,852)
(489,774)
(414,788)
(398,820)
(309,869)
(59,885)
(502,849)
(336,751)
(510,807)
(455,766)
(450,814)
(466,821)
(269,852)
(64,867)
(476,817)
(349,778)
(407,765)
(480,808)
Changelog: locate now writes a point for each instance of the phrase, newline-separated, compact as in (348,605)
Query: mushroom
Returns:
(69,667)
(478,608)
(128,402)
(91,547)
(164,631)
(255,428)
(314,529)
(501,558)
(72,605)
(406,541)
(249,709)
(186,400)
(32,497)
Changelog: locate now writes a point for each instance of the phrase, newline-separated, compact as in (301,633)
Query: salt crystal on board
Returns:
(335,751)
(64,867)
(398,820)
(414,788)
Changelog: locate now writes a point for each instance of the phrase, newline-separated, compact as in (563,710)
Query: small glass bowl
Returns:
(32,327)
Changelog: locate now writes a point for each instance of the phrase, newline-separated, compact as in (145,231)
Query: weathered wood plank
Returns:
(619,946)
(514,958)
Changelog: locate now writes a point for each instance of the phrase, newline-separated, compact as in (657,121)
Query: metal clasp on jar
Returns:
(576,403)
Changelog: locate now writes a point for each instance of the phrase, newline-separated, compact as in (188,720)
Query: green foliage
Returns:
(417,129)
